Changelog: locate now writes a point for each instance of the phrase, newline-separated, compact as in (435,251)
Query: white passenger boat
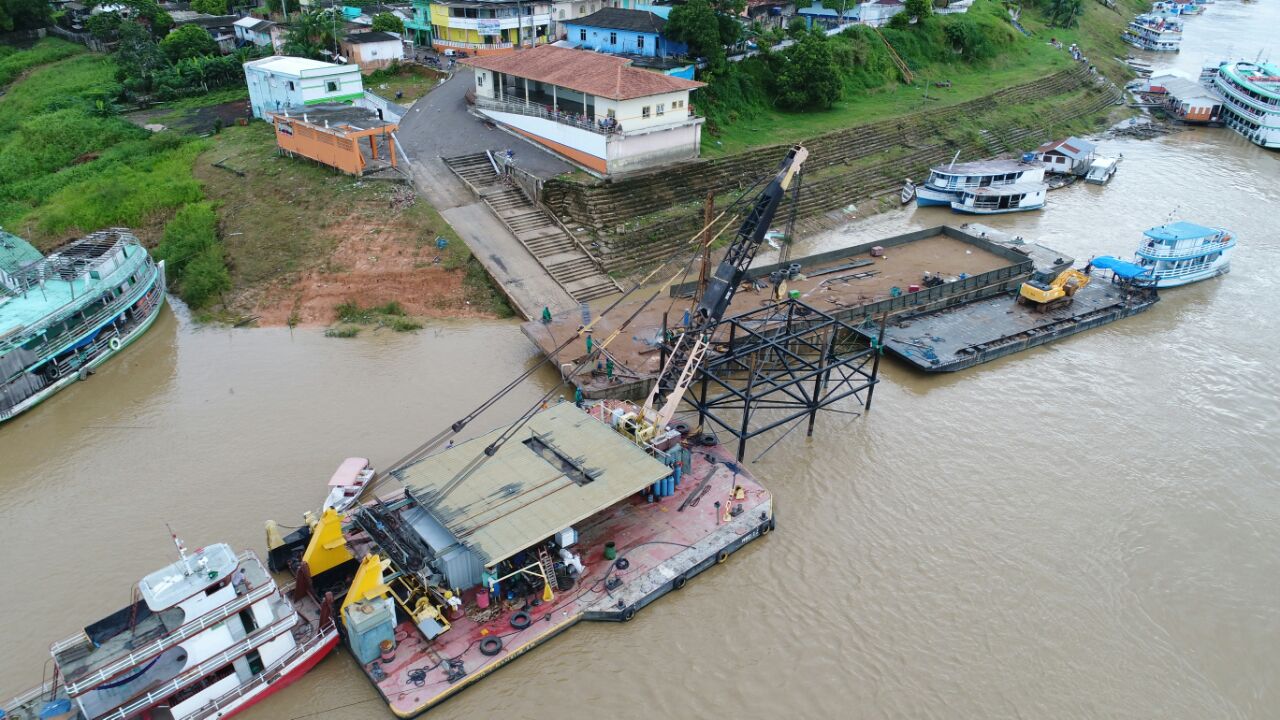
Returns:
(1182,252)
(997,200)
(1250,95)
(947,183)
(348,481)
(203,638)
(1155,33)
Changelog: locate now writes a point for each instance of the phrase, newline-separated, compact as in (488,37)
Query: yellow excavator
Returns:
(1045,292)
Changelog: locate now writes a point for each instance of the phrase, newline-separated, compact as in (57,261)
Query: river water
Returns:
(1083,530)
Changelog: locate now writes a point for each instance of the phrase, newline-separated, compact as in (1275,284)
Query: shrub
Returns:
(193,256)
(206,277)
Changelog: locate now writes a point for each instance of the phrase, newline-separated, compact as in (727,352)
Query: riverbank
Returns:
(297,240)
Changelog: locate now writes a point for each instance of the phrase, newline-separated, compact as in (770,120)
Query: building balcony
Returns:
(459,45)
(491,26)
(518,106)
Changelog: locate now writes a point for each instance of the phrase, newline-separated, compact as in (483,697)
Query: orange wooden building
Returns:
(334,135)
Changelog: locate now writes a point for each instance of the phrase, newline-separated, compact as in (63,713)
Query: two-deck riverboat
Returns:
(64,314)
(947,184)
(202,638)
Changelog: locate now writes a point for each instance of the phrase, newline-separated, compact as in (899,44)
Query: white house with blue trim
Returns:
(623,32)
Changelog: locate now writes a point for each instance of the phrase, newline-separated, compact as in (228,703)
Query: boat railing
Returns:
(1195,269)
(1171,252)
(189,630)
(319,637)
(28,696)
(213,664)
(109,309)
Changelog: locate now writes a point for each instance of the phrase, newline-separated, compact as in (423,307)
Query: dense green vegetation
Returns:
(69,164)
(387,22)
(14,62)
(821,84)
(193,255)
(24,14)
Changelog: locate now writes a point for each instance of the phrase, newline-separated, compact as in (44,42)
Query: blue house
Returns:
(623,32)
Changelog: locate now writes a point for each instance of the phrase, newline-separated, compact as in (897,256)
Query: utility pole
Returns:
(704,272)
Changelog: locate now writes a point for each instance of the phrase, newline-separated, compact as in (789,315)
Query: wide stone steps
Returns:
(567,262)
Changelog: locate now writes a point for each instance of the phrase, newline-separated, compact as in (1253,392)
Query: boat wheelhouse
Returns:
(996,200)
(1155,33)
(204,637)
(1102,170)
(1182,252)
(64,314)
(947,183)
(1250,95)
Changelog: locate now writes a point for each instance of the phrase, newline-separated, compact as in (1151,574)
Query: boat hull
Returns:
(1188,279)
(967,210)
(926,196)
(299,667)
(107,353)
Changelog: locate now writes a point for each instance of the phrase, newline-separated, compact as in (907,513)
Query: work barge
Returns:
(568,521)
(940,299)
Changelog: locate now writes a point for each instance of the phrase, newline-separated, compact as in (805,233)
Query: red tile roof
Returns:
(593,73)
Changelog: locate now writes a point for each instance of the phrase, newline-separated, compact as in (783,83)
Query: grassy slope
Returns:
(65,169)
(1098,34)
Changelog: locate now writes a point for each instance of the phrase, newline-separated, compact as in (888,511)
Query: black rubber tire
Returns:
(622,563)
(628,614)
(491,646)
(521,620)
(722,556)
(679,582)
(707,440)
(767,527)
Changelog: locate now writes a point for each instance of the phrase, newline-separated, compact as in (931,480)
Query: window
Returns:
(480,79)
(661,108)
(613,38)
(562,14)
(644,111)
(290,84)
(582,34)
(331,85)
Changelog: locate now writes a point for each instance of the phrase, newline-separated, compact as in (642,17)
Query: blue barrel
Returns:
(676,475)
(55,708)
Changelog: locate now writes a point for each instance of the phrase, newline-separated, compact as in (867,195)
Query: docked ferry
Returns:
(64,314)
(1017,197)
(204,637)
(1250,95)
(948,183)
(1155,33)
(1182,252)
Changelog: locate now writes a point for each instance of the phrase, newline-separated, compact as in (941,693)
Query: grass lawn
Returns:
(412,81)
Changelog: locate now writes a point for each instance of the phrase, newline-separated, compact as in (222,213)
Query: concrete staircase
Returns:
(568,263)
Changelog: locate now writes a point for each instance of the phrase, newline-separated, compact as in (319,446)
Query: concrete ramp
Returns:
(558,252)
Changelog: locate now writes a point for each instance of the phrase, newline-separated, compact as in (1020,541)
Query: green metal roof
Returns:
(526,492)
(16,252)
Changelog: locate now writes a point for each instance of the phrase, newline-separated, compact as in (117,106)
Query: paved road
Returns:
(439,126)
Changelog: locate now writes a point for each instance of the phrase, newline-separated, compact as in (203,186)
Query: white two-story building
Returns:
(594,110)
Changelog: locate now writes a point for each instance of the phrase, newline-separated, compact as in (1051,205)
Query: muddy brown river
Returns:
(1085,530)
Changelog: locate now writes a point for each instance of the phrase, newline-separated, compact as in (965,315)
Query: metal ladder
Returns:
(548,568)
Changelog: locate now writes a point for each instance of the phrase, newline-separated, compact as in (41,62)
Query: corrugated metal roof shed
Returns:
(560,468)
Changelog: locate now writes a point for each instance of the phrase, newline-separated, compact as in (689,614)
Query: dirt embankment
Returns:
(302,239)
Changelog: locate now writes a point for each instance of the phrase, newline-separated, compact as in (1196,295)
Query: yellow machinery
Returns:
(1044,292)
(328,548)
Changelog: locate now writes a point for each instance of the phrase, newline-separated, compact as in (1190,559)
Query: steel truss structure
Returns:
(787,360)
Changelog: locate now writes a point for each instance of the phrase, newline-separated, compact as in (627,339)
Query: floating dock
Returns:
(851,284)
(976,332)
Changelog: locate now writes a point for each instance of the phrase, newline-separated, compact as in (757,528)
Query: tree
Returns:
(310,34)
(104,26)
(917,9)
(387,22)
(137,57)
(797,28)
(188,41)
(695,24)
(1065,13)
(210,7)
(809,76)
(24,14)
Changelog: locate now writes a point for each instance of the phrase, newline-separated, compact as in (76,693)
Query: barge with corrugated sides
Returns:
(63,315)
(980,331)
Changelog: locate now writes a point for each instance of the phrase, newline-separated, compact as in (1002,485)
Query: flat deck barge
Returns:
(639,526)
(976,332)
(851,283)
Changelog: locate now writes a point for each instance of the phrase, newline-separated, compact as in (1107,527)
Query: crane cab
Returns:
(636,428)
